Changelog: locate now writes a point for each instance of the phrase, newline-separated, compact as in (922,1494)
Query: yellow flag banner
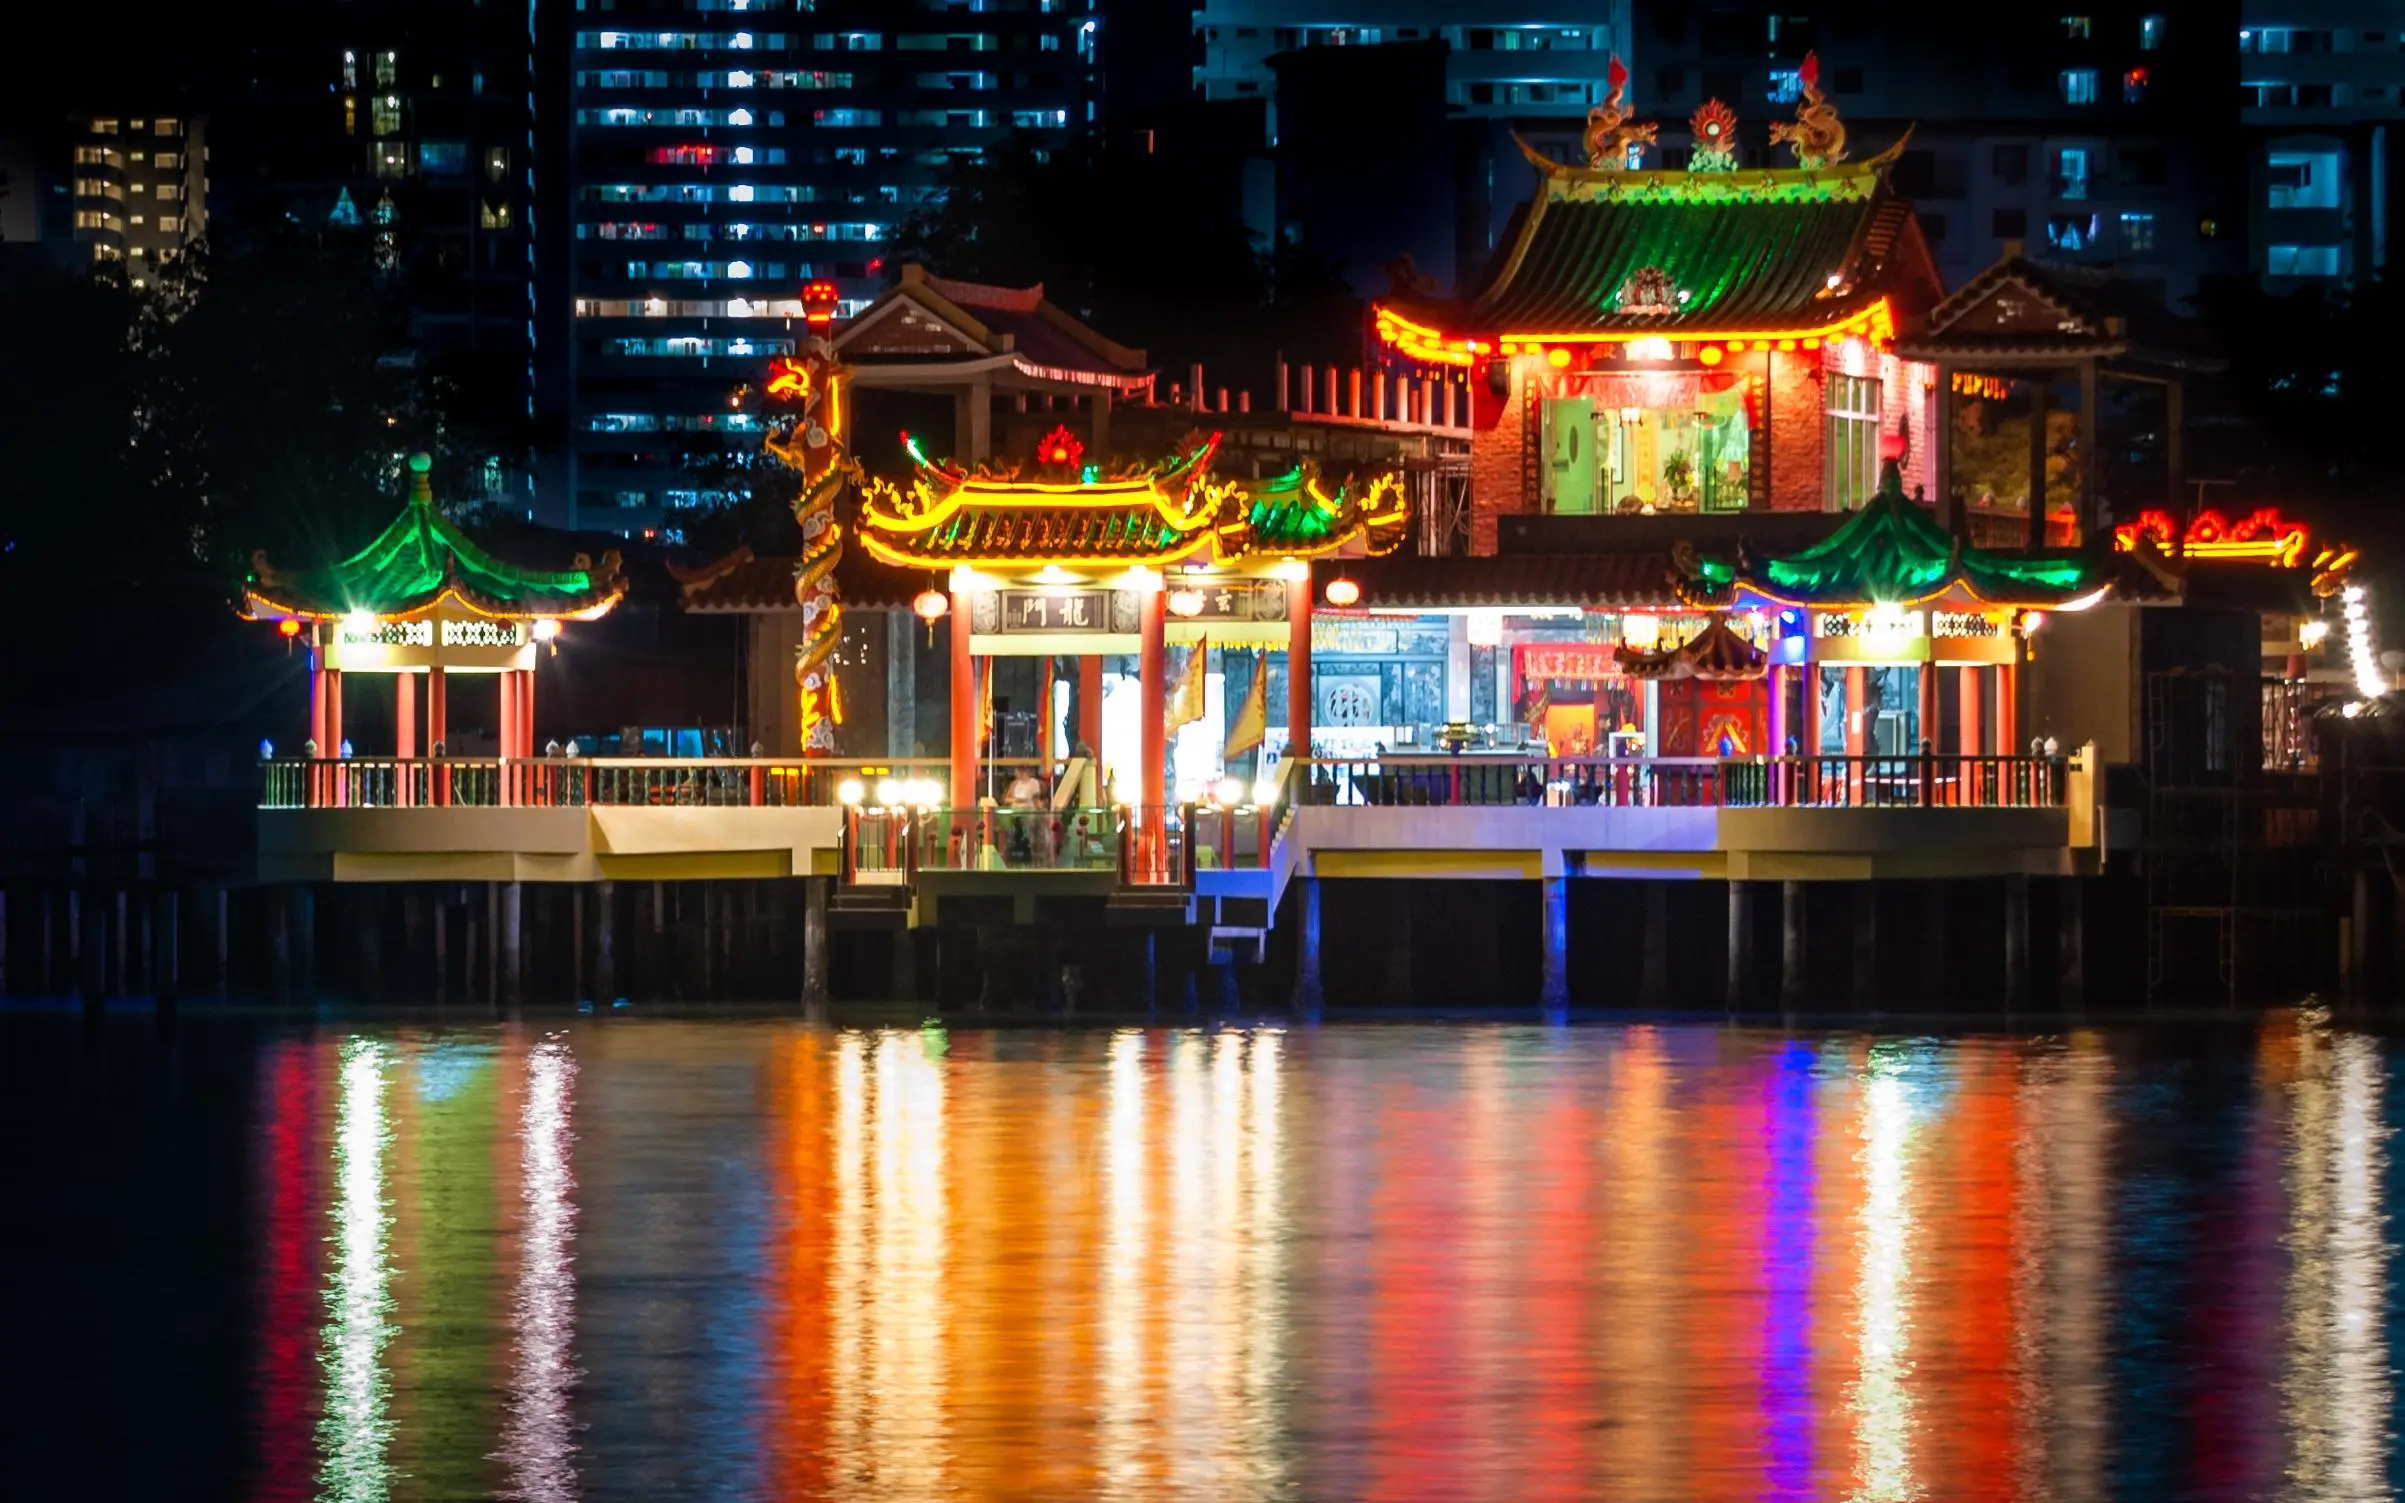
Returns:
(1252,717)
(1186,705)
(985,701)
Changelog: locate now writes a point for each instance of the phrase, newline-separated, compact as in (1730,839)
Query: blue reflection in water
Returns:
(1788,1197)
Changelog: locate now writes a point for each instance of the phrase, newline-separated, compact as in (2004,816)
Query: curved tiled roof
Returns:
(422,558)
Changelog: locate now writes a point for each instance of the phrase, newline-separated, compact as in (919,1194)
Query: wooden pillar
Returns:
(526,736)
(2016,942)
(1153,703)
(605,944)
(405,715)
(1653,971)
(2071,992)
(1970,734)
(1857,698)
(1554,996)
(1741,941)
(814,948)
(964,706)
(1808,702)
(1298,668)
(508,935)
(1309,998)
(2008,708)
(1866,946)
(1792,979)
(317,708)
(332,745)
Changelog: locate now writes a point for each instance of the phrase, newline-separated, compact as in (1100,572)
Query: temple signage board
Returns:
(455,643)
(1964,624)
(1019,611)
(1846,625)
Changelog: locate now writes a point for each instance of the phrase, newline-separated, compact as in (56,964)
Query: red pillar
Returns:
(1089,710)
(1857,694)
(438,709)
(1928,679)
(1780,675)
(405,715)
(2008,708)
(505,689)
(1298,668)
(526,713)
(1808,732)
(1152,669)
(1971,737)
(317,710)
(964,707)
(332,745)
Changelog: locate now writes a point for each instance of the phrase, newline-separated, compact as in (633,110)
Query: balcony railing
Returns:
(1865,782)
(605,782)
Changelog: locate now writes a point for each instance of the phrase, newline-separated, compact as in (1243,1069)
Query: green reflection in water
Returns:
(357,1425)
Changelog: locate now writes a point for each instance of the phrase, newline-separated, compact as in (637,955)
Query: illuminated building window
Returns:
(104,127)
(350,69)
(385,115)
(166,128)
(496,164)
(1853,441)
(2078,28)
(2137,233)
(2150,32)
(385,70)
(2078,85)
(2302,261)
(1786,85)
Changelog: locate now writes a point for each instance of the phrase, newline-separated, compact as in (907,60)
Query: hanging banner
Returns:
(1575,662)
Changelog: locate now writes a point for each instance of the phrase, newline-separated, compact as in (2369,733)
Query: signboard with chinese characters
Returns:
(1053,611)
(1828,624)
(1964,624)
(1038,621)
(456,643)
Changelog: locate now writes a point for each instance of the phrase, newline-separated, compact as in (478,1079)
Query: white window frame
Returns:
(1851,441)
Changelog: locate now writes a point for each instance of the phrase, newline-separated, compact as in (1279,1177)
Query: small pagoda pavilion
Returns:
(425,602)
(1059,558)
(1874,616)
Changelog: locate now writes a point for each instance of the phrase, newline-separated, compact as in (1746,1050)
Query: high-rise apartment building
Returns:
(408,124)
(1546,59)
(141,188)
(727,153)
(2320,84)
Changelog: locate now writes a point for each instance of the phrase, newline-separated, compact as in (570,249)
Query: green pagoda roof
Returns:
(1688,254)
(1294,514)
(1892,552)
(419,561)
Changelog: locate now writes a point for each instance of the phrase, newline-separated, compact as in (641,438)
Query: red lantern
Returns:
(931,605)
(289,627)
(1186,602)
(818,304)
(1343,592)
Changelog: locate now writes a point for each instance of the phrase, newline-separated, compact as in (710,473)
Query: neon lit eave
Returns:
(1418,341)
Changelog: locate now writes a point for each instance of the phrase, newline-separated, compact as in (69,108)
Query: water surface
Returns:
(642,1259)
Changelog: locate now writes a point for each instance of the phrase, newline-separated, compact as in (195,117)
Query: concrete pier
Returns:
(605,944)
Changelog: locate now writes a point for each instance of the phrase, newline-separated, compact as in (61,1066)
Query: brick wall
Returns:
(1797,426)
(1497,434)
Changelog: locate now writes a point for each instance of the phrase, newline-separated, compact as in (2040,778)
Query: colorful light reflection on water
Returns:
(641,1259)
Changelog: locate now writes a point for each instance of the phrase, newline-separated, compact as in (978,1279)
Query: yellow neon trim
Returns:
(887,552)
(1877,320)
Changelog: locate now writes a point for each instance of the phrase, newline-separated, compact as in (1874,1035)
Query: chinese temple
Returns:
(426,602)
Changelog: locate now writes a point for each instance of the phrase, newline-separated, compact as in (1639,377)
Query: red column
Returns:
(438,729)
(332,745)
(438,707)
(405,715)
(1857,693)
(505,690)
(1808,732)
(526,713)
(1298,668)
(2008,708)
(1928,678)
(1776,727)
(317,709)
(1152,669)
(1089,709)
(1970,741)
(964,707)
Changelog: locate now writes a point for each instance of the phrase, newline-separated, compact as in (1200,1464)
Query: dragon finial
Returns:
(1609,134)
(1817,135)
(1715,130)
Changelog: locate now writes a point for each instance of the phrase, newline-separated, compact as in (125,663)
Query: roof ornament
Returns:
(1610,137)
(1649,290)
(1817,136)
(1715,128)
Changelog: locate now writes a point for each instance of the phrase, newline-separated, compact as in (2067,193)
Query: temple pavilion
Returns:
(425,603)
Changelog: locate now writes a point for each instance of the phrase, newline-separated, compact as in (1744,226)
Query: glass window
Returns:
(2078,28)
(1853,441)
(2137,233)
(166,128)
(2071,172)
(2150,32)
(1786,85)
(2304,179)
(2078,85)
(104,127)
(2133,86)
(386,114)
(2302,261)
(385,70)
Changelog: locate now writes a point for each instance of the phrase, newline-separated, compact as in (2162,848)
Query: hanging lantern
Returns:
(930,605)
(1185,602)
(1343,592)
